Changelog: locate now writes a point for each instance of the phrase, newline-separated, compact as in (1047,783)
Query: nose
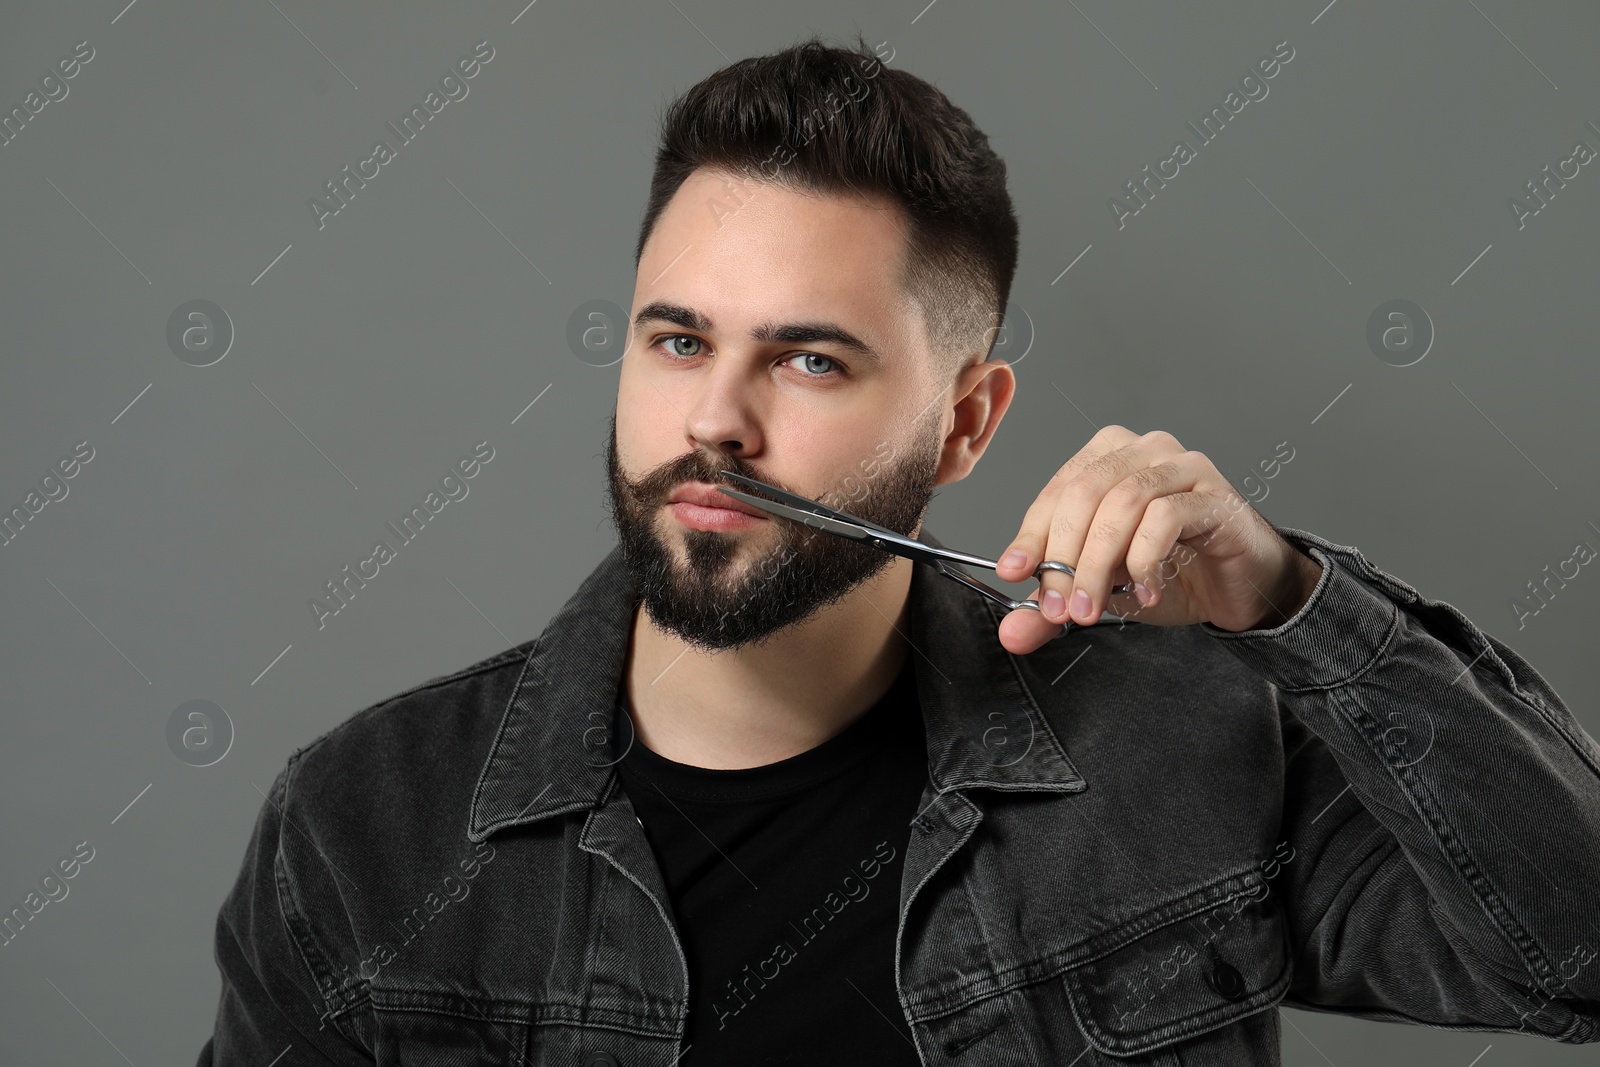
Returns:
(722,418)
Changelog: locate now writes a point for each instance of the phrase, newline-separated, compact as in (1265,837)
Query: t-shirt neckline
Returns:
(864,737)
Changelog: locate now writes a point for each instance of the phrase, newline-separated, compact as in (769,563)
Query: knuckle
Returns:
(1162,437)
(1128,493)
(1103,466)
(1164,515)
(1114,432)
(1078,492)
(1108,533)
(1146,479)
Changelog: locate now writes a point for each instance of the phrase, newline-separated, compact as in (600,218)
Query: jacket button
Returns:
(600,1059)
(1226,980)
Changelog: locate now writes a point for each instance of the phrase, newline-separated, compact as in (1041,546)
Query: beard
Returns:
(733,589)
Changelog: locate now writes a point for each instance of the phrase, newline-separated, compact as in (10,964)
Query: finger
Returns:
(1079,502)
(1156,555)
(1122,509)
(1035,530)
(1024,630)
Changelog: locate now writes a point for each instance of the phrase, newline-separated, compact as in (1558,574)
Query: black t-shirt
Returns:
(784,882)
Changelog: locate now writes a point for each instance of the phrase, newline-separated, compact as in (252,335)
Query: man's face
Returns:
(747,308)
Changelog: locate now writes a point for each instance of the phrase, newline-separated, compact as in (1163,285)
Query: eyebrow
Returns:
(766,332)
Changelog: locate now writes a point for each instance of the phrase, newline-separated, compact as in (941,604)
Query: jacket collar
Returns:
(553,753)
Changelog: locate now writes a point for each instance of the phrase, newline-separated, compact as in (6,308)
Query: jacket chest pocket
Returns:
(1193,982)
(467,1035)
(438,1030)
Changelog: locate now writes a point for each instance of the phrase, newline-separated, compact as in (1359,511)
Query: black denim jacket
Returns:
(1134,844)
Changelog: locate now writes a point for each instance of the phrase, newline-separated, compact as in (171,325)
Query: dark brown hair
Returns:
(837,121)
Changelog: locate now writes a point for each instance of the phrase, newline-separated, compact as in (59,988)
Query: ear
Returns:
(982,392)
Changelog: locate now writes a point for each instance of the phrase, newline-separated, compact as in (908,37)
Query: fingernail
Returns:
(1144,595)
(1015,558)
(1051,604)
(1080,604)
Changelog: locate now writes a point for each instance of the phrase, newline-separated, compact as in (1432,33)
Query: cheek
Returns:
(631,390)
(648,425)
(829,453)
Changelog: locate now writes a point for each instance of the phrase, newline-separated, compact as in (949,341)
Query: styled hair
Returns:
(837,121)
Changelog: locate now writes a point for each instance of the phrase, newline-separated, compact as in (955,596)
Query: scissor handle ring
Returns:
(1052,565)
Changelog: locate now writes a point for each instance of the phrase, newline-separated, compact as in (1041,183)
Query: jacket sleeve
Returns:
(1441,814)
(272,1010)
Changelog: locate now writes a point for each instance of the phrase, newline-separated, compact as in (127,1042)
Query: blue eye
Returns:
(833,364)
(687,346)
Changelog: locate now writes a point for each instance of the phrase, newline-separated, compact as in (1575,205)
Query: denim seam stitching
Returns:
(1183,1028)
(600,916)
(1362,568)
(911,1016)
(1319,592)
(1465,947)
(1576,1034)
(683,960)
(1512,930)
(1378,653)
(1213,1017)
(1179,908)
(512,1012)
(977,918)
(317,964)
(1531,700)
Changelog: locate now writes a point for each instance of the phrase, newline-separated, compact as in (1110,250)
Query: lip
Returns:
(700,507)
(706,496)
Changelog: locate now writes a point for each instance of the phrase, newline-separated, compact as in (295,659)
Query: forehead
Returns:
(743,251)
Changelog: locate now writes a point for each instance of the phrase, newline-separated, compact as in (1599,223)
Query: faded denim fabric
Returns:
(1134,845)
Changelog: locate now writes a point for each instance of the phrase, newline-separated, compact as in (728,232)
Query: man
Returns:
(760,795)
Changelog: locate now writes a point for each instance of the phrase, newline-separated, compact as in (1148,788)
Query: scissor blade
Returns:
(887,540)
(810,518)
(908,547)
(806,503)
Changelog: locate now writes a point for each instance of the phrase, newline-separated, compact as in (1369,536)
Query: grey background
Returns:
(1231,311)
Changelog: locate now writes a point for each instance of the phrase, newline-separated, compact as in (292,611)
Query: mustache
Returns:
(654,488)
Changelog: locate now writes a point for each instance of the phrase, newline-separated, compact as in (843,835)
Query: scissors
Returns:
(821,517)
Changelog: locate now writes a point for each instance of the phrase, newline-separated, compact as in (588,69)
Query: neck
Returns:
(758,704)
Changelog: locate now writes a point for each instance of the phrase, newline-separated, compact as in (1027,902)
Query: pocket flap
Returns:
(1193,964)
